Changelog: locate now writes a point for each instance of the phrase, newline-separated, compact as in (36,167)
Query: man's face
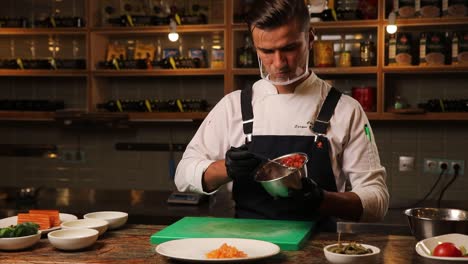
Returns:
(283,51)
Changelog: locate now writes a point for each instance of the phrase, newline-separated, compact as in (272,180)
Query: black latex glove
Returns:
(240,162)
(310,194)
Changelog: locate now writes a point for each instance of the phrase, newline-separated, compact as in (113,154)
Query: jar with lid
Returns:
(344,58)
(367,49)
(323,53)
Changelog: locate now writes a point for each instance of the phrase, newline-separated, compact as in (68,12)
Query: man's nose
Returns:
(278,59)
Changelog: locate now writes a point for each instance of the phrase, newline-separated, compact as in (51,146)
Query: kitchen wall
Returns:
(421,140)
(102,166)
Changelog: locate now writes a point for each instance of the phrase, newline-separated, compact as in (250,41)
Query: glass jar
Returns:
(323,54)
(367,57)
(344,59)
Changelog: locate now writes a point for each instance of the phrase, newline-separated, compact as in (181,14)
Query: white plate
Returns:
(17,243)
(426,246)
(194,249)
(5,222)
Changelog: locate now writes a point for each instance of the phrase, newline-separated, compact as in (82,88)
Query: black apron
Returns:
(252,201)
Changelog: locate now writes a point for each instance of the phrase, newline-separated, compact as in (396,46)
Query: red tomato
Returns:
(447,249)
(293,161)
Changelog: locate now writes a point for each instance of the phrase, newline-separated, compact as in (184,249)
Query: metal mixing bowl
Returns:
(277,179)
(429,222)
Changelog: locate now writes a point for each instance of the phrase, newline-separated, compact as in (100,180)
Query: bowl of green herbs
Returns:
(351,253)
(21,236)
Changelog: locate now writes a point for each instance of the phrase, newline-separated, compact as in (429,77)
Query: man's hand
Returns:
(310,193)
(240,162)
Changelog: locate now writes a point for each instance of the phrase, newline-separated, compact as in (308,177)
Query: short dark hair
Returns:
(271,14)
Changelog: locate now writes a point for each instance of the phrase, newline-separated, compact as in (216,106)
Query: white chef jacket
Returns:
(354,157)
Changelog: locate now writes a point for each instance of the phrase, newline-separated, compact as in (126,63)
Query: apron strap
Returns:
(321,123)
(326,112)
(247,113)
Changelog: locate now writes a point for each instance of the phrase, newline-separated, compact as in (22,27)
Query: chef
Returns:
(289,110)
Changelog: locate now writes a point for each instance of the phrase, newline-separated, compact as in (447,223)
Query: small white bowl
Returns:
(425,247)
(17,243)
(337,258)
(73,239)
(97,224)
(114,218)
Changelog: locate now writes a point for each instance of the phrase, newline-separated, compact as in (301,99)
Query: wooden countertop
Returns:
(130,245)
(144,207)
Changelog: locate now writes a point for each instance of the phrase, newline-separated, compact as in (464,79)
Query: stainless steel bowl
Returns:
(278,179)
(430,222)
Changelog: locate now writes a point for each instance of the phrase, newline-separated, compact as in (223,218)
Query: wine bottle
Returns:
(155,105)
(111,106)
(367,49)
(32,105)
(454,48)
(422,49)
(179,63)
(392,50)
(246,54)
(124,106)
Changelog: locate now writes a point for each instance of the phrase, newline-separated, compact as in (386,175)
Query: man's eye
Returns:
(267,51)
(289,48)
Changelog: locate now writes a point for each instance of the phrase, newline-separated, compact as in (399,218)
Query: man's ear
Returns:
(311,38)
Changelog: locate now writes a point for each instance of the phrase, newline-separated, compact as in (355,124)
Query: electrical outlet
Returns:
(433,166)
(444,163)
(406,163)
(460,163)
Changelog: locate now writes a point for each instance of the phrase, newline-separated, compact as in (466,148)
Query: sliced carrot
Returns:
(225,251)
(54,214)
(41,219)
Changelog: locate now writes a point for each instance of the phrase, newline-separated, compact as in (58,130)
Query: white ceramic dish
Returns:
(18,243)
(114,218)
(194,249)
(425,247)
(14,219)
(97,224)
(73,239)
(337,258)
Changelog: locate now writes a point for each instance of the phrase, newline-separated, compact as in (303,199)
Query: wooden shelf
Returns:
(415,117)
(432,22)
(133,116)
(346,70)
(158,72)
(327,70)
(246,71)
(340,25)
(26,116)
(191,116)
(44,73)
(43,31)
(97,82)
(167,117)
(425,69)
(142,30)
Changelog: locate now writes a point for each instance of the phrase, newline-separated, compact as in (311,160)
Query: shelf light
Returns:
(173,35)
(392,27)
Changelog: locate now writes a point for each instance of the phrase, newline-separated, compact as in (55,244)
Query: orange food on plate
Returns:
(226,251)
(41,219)
(44,218)
(53,215)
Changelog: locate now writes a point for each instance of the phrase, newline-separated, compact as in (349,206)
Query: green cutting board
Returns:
(288,235)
